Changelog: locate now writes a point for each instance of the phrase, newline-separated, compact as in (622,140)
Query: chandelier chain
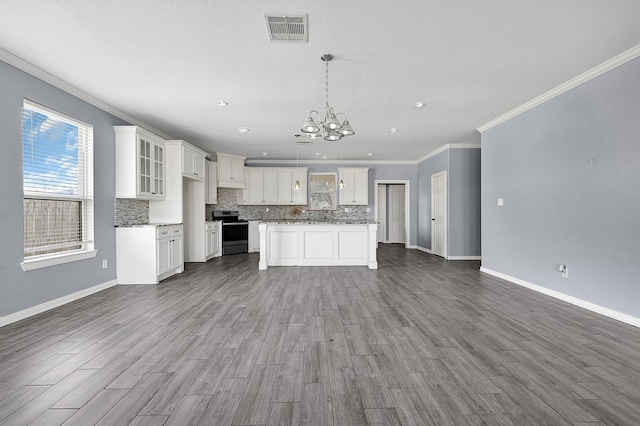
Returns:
(326,90)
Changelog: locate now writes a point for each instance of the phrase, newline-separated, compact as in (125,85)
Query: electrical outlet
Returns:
(368,210)
(564,271)
(105,263)
(346,209)
(267,209)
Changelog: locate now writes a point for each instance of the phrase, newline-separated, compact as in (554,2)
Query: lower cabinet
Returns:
(254,237)
(213,240)
(148,254)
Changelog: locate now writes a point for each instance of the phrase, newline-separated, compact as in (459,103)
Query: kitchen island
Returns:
(317,243)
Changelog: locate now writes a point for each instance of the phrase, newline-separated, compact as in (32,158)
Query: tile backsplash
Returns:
(228,200)
(136,212)
(131,212)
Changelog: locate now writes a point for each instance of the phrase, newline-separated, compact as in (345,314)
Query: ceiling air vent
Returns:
(287,27)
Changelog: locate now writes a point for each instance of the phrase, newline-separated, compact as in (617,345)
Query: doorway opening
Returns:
(392,212)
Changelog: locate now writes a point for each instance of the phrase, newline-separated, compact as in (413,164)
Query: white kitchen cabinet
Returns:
(230,171)
(298,197)
(254,237)
(170,250)
(193,162)
(211,183)
(356,186)
(213,239)
(262,186)
(140,164)
(148,254)
(254,186)
(274,186)
(269,186)
(243,195)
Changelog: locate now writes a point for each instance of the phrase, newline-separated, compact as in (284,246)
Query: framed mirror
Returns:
(322,191)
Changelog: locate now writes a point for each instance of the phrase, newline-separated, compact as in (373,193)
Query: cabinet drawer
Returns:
(176,231)
(163,232)
(212,227)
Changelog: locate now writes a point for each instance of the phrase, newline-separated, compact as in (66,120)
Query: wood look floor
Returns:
(420,341)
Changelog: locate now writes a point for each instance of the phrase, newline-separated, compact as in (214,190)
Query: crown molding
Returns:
(443,148)
(612,63)
(43,75)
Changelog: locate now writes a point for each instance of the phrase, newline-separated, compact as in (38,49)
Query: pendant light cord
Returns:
(326,84)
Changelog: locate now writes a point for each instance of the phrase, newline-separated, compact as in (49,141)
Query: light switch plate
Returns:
(500,202)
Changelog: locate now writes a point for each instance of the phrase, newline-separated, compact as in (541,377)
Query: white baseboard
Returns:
(628,319)
(426,250)
(43,307)
(464,258)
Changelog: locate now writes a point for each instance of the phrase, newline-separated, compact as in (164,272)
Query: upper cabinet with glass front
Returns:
(140,164)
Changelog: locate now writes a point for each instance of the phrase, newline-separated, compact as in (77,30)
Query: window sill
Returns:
(31,264)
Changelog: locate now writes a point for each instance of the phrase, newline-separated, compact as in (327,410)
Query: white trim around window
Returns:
(58,259)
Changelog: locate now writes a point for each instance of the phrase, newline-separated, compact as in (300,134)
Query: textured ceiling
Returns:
(168,63)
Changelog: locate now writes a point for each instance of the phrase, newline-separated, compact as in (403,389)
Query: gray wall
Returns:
(569,173)
(20,290)
(463,202)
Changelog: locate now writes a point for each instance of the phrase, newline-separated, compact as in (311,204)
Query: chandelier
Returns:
(328,127)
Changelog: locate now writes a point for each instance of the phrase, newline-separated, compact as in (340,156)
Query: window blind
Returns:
(57,181)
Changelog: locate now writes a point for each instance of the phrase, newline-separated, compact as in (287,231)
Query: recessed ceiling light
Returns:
(223,103)
(369,154)
(264,154)
(243,129)
(317,153)
(419,104)
(324,157)
(393,130)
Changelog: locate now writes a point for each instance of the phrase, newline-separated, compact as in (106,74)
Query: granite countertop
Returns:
(148,225)
(317,222)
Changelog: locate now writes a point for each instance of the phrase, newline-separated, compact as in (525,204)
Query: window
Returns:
(322,191)
(58,187)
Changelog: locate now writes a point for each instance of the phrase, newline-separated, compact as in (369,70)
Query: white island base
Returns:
(317,244)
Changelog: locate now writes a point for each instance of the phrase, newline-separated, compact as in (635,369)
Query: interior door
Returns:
(439,214)
(382,214)
(396,214)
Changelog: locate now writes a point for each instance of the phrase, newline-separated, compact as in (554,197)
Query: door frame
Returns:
(407,199)
(382,227)
(446,214)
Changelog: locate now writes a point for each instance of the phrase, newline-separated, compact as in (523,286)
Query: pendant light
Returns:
(297,184)
(328,127)
(341,184)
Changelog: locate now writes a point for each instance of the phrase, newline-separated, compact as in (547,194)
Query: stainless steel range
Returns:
(235,232)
